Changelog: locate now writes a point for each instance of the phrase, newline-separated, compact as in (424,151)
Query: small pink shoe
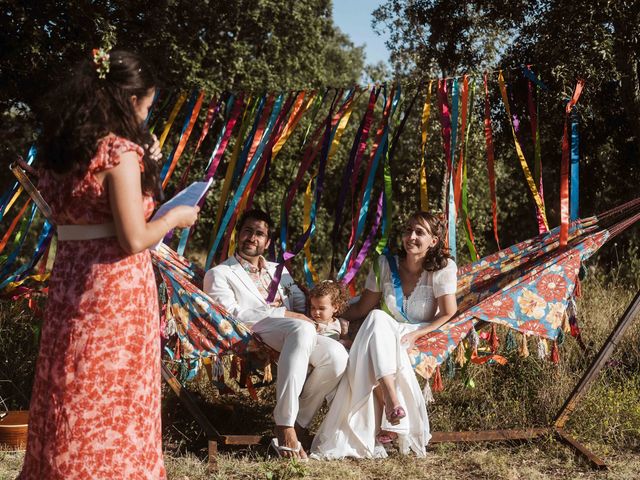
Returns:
(385,438)
(395,415)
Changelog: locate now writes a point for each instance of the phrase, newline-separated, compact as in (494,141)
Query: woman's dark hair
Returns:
(437,255)
(86,108)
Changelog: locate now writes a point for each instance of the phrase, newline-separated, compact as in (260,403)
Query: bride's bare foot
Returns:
(287,438)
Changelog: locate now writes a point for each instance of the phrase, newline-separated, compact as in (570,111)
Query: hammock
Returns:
(528,287)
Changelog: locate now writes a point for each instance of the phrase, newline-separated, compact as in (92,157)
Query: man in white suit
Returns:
(240,284)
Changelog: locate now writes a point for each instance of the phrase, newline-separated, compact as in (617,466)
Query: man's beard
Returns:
(251,250)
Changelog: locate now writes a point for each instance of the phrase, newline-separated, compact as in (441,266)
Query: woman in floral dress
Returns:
(379,399)
(95,406)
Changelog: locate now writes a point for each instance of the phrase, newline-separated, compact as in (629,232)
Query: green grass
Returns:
(539,460)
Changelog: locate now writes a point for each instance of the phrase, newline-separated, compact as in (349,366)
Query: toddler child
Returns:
(328,300)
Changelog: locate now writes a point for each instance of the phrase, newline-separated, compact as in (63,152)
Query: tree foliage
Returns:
(563,41)
(249,45)
(266,45)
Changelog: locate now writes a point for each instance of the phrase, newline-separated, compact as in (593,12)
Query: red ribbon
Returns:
(490,160)
(233,119)
(457,183)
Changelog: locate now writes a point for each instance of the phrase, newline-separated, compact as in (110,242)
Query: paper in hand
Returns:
(190,197)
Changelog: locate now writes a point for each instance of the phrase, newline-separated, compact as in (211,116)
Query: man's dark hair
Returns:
(255,214)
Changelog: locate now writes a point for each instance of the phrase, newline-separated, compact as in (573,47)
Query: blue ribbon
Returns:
(245,179)
(397,285)
(452,204)
(574,197)
(532,76)
(190,106)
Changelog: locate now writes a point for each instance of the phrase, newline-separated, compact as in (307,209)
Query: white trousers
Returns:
(350,427)
(299,345)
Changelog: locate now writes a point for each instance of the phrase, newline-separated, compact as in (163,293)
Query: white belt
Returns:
(86,232)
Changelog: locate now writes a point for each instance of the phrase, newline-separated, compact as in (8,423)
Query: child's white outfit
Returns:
(331,330)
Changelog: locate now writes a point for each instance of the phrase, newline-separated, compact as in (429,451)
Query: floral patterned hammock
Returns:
(528,287)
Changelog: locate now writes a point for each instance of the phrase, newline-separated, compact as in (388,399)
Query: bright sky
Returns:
(353,17)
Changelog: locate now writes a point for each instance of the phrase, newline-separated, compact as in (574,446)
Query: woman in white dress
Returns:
(379,398)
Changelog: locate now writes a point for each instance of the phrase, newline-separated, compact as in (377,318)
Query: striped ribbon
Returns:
(564,167)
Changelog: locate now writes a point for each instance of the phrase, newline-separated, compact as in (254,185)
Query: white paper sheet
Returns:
(190,196)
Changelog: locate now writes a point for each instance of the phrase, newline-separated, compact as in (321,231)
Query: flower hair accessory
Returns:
(101,62)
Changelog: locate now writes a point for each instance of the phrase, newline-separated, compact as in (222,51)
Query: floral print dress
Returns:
(95,406)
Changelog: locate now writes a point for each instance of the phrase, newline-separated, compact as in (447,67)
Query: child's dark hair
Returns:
(336,291)
(85,108)
(255,214)
(437,256)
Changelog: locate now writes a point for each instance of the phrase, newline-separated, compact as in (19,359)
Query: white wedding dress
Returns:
(354,418)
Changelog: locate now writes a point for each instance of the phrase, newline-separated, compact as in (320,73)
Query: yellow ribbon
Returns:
(426,112)
(13,200)
(298,112)
(306,222)
(525,168)
(342,124)
(39,277)
(172,117)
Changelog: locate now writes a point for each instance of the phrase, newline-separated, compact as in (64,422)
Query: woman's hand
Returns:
(409,339)
(154,150)
(183,216)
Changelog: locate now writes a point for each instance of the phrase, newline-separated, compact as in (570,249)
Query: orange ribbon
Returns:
(183,140)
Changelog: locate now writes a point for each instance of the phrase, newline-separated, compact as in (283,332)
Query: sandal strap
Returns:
(283,448)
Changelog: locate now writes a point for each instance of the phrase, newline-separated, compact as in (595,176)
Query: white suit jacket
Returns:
(230,285)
